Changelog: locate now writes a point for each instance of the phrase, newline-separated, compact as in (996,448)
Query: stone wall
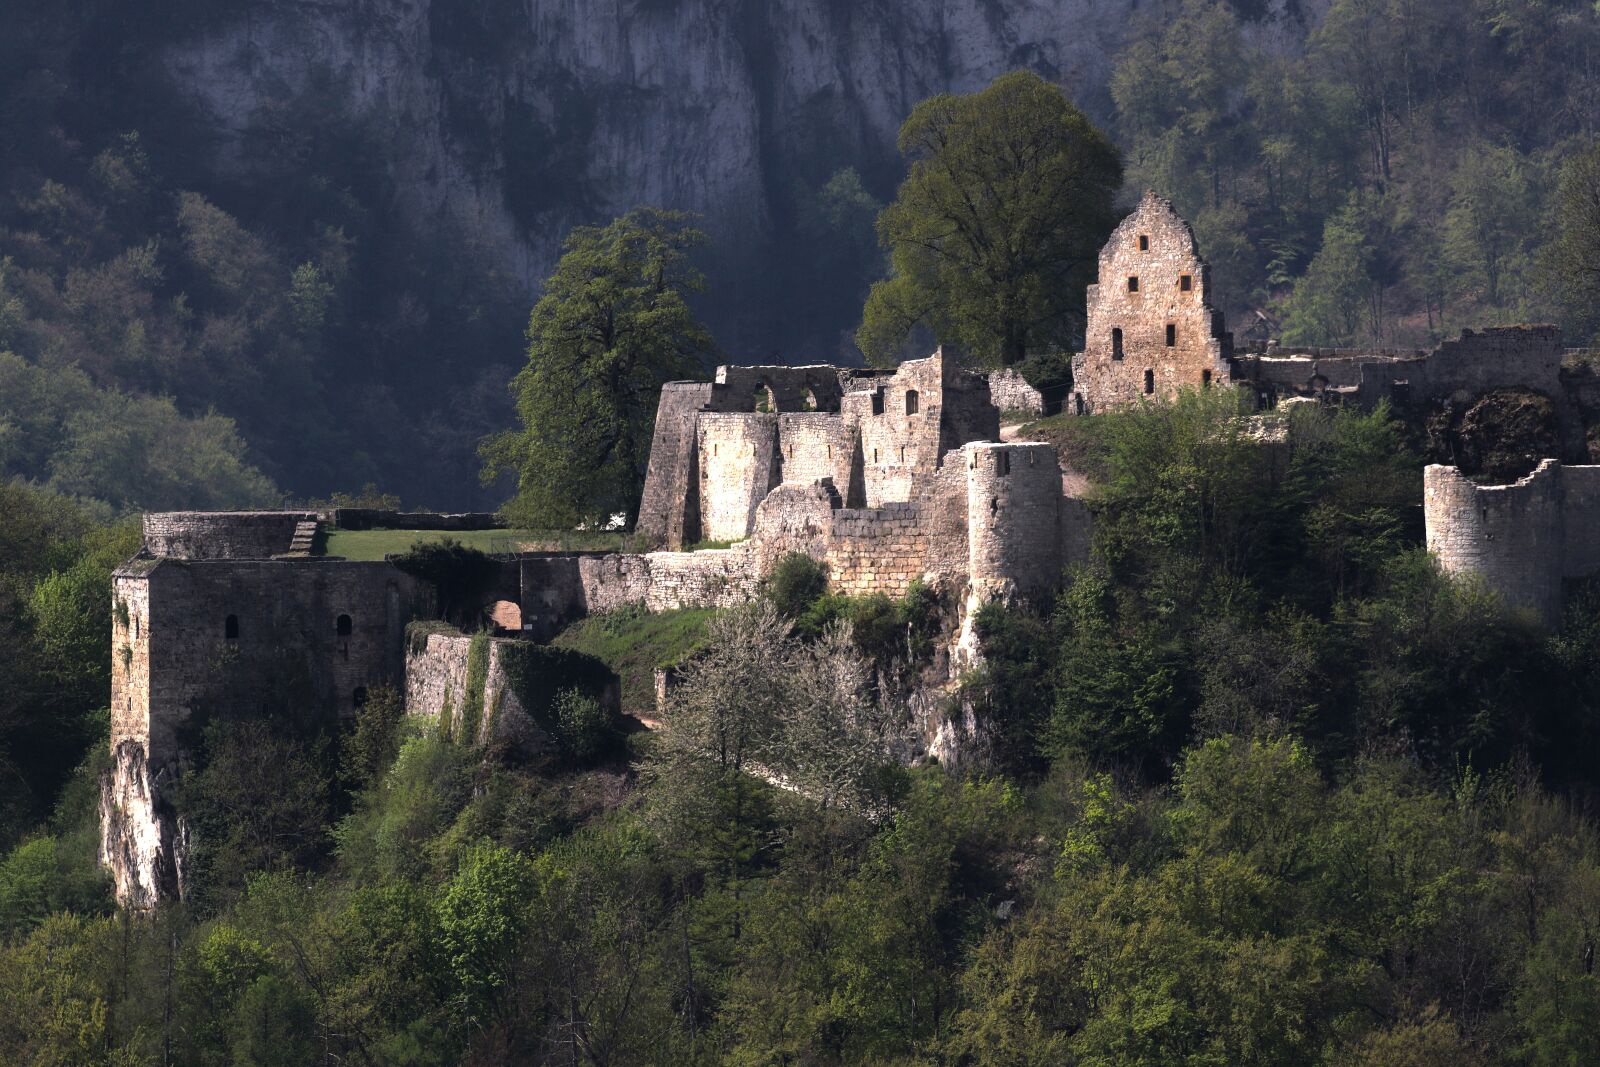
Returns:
(881,550)
(669,506)
(221,534)
(1014,503)
(1580,511)
(1478,361)
(379,519)
(1511,536)
(1150,330)
(817,446)
(738,467)
(1010,391)
(778,388)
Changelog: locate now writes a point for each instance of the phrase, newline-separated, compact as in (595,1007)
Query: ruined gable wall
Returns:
(739,466)
(1143,315)
(967,409)
(668,511)
(221,534)
(898,444)
(1512,536)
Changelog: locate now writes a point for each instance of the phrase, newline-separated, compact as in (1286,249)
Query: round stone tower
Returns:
(1013,519)
(1509,535)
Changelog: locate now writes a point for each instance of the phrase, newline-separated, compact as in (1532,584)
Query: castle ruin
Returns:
(887,478)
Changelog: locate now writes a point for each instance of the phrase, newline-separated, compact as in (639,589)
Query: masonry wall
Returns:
(739,465)
(814,446)
(1110,374)
(1010,391)
(130,651)
(1580,514)
(783,389)
(880,550)
(1013,519)
(1512,536)
(221,534)
(668,506)
(1495,358)
(288,651)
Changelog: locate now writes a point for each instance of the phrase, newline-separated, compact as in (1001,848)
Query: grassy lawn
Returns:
(634,644)
(375,544)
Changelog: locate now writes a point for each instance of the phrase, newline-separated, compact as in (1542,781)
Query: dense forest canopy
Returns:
(1391,176)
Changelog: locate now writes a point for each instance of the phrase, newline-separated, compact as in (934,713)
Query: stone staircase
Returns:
(305,537)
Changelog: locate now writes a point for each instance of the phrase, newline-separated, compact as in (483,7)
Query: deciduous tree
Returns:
(996,230)
(613,326)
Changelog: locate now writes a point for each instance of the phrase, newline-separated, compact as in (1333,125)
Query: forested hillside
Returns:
(1266,788)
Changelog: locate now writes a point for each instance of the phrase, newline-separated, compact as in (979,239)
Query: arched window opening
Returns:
(913,402)
(1116,342)
(1149,381)
(230,628)
(810,401)
(764,401)
(344,626)
(359,697)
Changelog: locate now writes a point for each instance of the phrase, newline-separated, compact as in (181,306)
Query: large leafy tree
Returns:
(994,233)
(613,326)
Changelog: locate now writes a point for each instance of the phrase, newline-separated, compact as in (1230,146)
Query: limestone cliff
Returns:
(514,119)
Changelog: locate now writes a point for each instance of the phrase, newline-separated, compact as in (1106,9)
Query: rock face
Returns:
(511,120)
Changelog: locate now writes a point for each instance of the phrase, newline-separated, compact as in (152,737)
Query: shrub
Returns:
(795,584)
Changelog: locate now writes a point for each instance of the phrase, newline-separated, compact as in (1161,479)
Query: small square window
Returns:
(1185,282)
(1133,283)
